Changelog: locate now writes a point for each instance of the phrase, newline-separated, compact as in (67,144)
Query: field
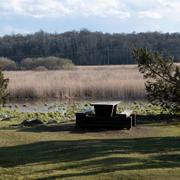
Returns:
(149,151)
(97,82)
(59,151)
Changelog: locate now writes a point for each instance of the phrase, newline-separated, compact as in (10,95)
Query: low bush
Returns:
(50,63)
(40,68)
(7,64)
(3,88)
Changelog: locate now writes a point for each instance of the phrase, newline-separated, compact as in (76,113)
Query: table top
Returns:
(105,103)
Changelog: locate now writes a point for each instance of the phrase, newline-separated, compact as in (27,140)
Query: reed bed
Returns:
(95,82)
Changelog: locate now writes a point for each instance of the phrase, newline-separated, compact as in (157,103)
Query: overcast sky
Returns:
(27,16)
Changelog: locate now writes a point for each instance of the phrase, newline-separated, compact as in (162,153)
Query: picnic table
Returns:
(105,115)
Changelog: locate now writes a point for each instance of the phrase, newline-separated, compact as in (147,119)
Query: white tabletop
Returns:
(105,103)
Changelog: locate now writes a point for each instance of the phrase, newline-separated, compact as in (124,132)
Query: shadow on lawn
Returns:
(78,154)
(157,120)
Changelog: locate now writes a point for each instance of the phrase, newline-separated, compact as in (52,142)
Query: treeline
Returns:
(88,48)
(39,64)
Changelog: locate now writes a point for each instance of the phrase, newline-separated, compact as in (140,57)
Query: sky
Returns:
(112,16)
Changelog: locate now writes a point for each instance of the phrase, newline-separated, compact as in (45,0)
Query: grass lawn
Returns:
(149,151)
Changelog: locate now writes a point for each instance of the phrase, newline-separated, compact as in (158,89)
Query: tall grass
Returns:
(97,82)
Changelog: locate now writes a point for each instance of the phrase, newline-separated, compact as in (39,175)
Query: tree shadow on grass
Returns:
(166,119)
(117,164)
(157,120)
(95,156)
(70,127)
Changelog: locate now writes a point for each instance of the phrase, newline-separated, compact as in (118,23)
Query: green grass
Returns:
(149,151)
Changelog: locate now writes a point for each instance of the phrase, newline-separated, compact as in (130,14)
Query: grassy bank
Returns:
(98,82)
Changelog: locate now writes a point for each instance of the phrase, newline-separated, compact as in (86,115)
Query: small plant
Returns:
(3,88)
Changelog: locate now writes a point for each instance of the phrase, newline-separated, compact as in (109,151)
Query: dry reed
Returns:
(97,82)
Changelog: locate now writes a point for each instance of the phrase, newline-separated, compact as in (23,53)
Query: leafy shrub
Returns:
(7,64)
(3,88)
(40,68)
(50,63)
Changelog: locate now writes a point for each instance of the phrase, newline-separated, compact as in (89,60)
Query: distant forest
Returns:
(88,48)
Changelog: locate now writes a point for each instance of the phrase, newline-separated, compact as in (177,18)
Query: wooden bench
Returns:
(105,116)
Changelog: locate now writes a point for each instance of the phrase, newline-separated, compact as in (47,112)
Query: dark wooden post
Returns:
(133,119)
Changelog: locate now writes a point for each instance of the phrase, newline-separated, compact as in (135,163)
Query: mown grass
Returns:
(149,151)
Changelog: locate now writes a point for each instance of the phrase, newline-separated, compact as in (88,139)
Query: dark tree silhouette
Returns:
(88,48)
